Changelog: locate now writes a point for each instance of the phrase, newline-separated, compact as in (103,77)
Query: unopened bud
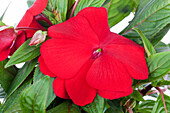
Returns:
(38,37)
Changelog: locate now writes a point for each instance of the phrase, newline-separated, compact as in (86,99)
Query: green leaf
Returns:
(88,3)
(6,75)
(33,99)
(159,65)
(137,96)
(145,107)
(97,106)
(136,2)
(159,107)
(51,94)
(56,10)
(114,107)
(106,107)
(151,17)
(163,82)
(21,76)
(23,54)
(37,76)
(157,38)
(118,10)
(14,98)
(147,45)
(65,107)
(14,109)
(30,2)
(2,92)
(4,12)
(62,8)
(161,47)
(1,23)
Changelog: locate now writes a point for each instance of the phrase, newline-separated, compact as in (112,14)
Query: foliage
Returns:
(28,90)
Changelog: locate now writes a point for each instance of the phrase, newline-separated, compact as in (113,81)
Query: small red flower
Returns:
(29,20)
(7,35)
(88,59)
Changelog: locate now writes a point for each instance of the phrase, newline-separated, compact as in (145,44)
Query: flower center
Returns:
(96,53)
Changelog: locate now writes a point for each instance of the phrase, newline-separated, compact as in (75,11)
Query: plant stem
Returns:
(74,7)
(144,91)
(27,28)
(130,110)
(161,92)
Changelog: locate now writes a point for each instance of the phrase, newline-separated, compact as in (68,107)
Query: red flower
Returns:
(88,59)
(29,20)
(7,35)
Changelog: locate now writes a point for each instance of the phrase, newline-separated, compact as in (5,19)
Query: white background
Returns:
(17,8)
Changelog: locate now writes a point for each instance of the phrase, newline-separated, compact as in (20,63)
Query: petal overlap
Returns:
(59,88)
(108,68)
(130,54)
(78,89)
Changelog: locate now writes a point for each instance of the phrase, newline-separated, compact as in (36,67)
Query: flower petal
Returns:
(78,89)
(114,94)
(35,9)
(38,7)
(98,20)
(65,57)
(28,20)
(6,39)
(108,73)
(130,54)
(44,69)
(18,42)
(76,28)
(59,88)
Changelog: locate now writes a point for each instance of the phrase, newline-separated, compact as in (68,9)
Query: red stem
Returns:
(161,92)
(27,28)
(156,91)
(74,7)
(69,107)
(130,110)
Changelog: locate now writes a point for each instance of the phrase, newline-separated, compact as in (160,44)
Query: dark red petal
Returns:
(76,28)
(97,18)
(59,88)
(108,73)
(18,42)
(65,57)
(78,89)
(114,94)
(6,39)
(130,54)
(44,69)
